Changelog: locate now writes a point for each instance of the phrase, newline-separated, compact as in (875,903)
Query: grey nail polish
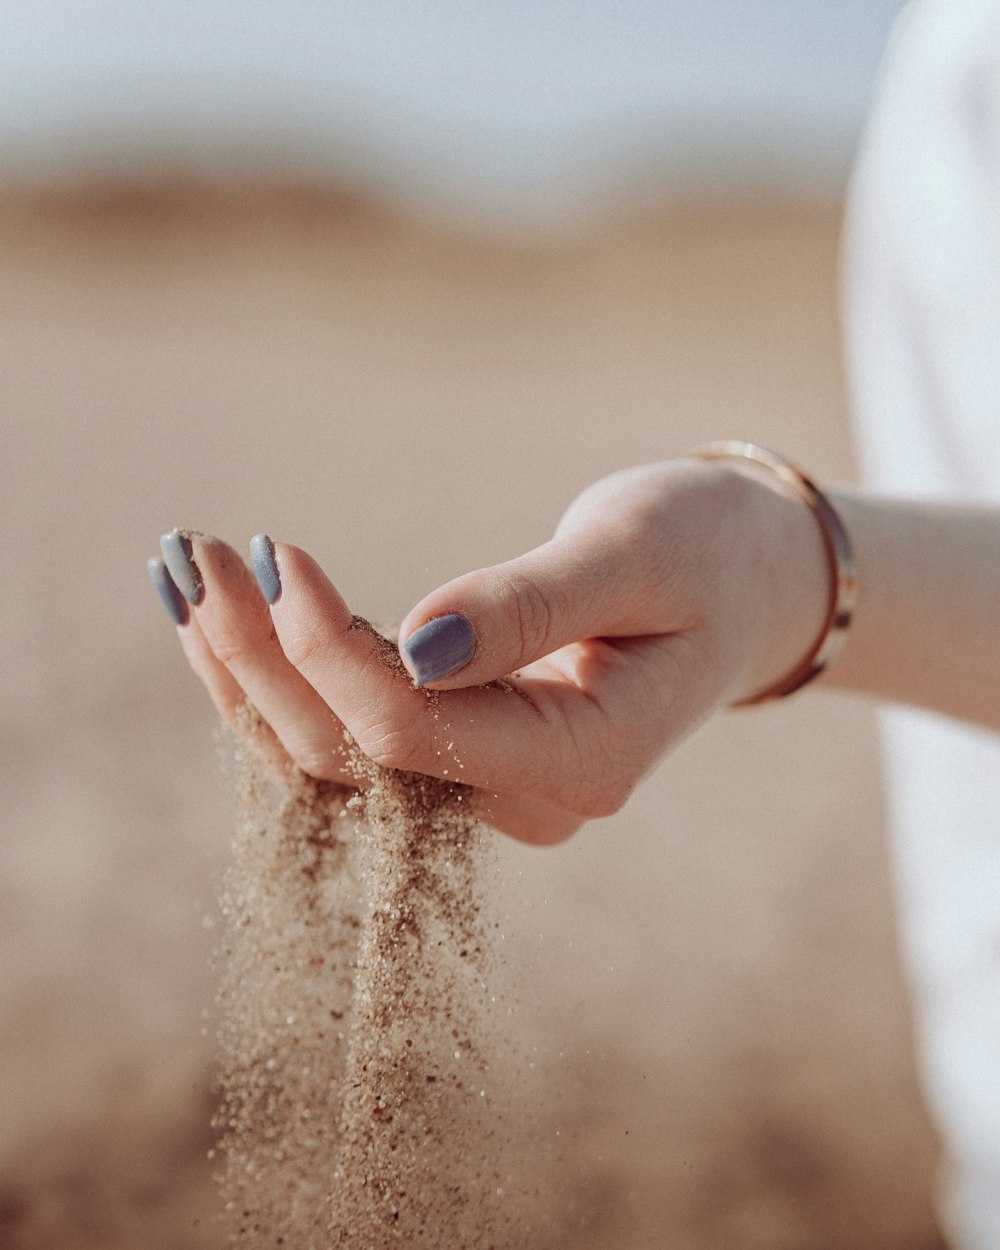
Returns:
(265,567)
(439,648)
(170,596)
(176,548)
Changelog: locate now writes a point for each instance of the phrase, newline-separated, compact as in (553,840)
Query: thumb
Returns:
(494,621)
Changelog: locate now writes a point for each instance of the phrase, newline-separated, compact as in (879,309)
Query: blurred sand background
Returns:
(714,969)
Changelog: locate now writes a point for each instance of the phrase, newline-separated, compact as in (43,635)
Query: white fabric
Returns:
(923,336)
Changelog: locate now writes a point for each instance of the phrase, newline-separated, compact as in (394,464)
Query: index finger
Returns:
(548,734)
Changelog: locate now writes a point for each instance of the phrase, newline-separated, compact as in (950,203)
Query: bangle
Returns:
(840,560)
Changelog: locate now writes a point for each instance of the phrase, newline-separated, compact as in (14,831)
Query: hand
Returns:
(666,592)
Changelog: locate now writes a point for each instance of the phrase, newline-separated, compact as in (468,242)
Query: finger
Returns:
(232,704)
(234,622)
(522,818)
(574,731)
(528,820)
(496,620)
(525,819)
(358,671)
(223,689)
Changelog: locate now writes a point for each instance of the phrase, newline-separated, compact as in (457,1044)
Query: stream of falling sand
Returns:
(363,1103)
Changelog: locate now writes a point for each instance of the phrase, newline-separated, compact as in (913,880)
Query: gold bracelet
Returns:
(840,559)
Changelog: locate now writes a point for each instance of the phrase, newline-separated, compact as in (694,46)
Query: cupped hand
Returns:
(551,683)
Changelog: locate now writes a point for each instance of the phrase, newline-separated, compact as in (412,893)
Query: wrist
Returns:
(787,582)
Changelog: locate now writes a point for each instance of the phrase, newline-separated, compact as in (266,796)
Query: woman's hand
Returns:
(666,592)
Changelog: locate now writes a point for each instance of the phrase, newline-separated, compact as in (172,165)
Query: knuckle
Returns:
(394,742)
(531,612)
(592,800)
(613,796)
(315,759)
(231,647)
(301,648)
(605,773)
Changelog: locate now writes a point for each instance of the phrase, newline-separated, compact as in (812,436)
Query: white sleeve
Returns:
(922,275)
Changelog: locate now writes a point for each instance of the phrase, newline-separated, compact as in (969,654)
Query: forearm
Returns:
(927,625)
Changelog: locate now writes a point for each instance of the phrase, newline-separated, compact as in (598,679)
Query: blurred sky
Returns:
(516,112)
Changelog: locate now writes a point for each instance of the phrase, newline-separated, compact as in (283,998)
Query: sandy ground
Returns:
(713,971)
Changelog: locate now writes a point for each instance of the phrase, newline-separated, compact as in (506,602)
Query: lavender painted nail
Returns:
(176,548)
(170,596)
(439,648)
(265,567)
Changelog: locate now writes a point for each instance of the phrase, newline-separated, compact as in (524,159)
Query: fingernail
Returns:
(170,596)
(176,548)
(265,567)
(439,648)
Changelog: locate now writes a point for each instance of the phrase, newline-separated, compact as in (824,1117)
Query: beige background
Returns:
(713,971)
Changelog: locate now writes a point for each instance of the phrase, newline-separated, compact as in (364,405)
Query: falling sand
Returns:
(365,1056)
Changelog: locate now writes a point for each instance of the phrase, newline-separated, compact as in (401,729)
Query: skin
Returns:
(667,592)
(927,626)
